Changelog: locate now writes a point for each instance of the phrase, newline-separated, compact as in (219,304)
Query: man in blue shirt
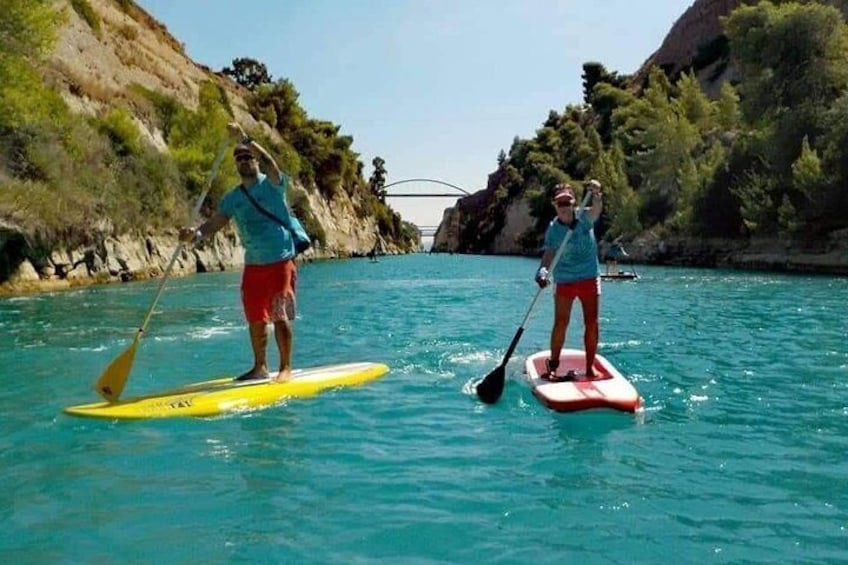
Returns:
(576,274)
(268,281)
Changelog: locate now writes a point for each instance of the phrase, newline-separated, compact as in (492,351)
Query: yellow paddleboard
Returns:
(219,396)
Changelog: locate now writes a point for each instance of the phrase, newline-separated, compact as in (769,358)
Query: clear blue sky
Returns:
(435,87)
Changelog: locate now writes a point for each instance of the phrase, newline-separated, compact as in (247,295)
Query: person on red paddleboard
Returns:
(577,274)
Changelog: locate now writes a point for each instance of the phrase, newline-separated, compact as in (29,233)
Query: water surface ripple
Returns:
(738,457)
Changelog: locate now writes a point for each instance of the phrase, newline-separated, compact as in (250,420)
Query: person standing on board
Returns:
(612,254)
(268,280)
(576,275)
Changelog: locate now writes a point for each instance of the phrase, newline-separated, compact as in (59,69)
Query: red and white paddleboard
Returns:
(572,391)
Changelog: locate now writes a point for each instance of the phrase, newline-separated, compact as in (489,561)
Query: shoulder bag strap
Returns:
(263,210)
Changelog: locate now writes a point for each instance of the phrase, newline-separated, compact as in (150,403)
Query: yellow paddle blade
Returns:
(111,383)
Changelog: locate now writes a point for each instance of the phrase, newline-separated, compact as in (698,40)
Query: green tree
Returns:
(792,60)
(117,124)
(807,173)
(661,142)
(755,192)
(727,108)
(248,72)
(195,139)
(693,104)
(605,100)
(378,179)
(787,217)
(621,211)
(595,73)
(28,28)
(789,55)
(834,157)
(280,101)
(625,220)
(808,178)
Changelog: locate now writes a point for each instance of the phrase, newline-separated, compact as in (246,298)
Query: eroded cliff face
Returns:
(689,39)
(110,258)
(517,221)
(95,72)
(446,239)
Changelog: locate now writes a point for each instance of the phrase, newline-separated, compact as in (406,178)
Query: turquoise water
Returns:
(739,456)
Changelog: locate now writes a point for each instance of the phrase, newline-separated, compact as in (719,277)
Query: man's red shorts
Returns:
(586,289)
(268,292)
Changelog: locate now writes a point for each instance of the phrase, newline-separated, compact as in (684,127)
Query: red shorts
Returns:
(267,292)
(585,289)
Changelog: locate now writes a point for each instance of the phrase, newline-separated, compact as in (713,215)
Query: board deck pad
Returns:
(225,395)
(606,389)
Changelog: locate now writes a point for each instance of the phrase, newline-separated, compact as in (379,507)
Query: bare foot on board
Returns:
(253,375)
(591,375)
(283,376)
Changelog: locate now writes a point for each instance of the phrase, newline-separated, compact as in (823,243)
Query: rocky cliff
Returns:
(694,42)
(507,241)
(97,68)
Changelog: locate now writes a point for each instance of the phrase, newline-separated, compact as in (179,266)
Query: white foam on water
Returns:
(471,357)
(96,348)
(207,333)
(24,299)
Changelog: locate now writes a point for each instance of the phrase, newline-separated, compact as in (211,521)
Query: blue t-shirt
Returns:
(579,260)
(264,240)
(615,251)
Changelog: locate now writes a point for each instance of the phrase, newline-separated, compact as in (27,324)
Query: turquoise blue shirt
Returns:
(264,240)
(579,260)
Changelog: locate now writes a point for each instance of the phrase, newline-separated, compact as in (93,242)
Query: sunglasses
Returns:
(243,157)
(565,204)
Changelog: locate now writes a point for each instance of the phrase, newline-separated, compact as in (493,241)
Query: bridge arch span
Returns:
(461,191)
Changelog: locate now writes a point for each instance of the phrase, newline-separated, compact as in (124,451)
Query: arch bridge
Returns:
(460,191)
(427,231)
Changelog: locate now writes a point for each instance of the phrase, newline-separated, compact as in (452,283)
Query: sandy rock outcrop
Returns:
(517,220)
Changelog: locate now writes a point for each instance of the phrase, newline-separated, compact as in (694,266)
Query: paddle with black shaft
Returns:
(489,390)
(111,383)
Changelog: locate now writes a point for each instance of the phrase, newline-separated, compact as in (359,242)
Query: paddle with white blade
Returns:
(111,383)
(489,389)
